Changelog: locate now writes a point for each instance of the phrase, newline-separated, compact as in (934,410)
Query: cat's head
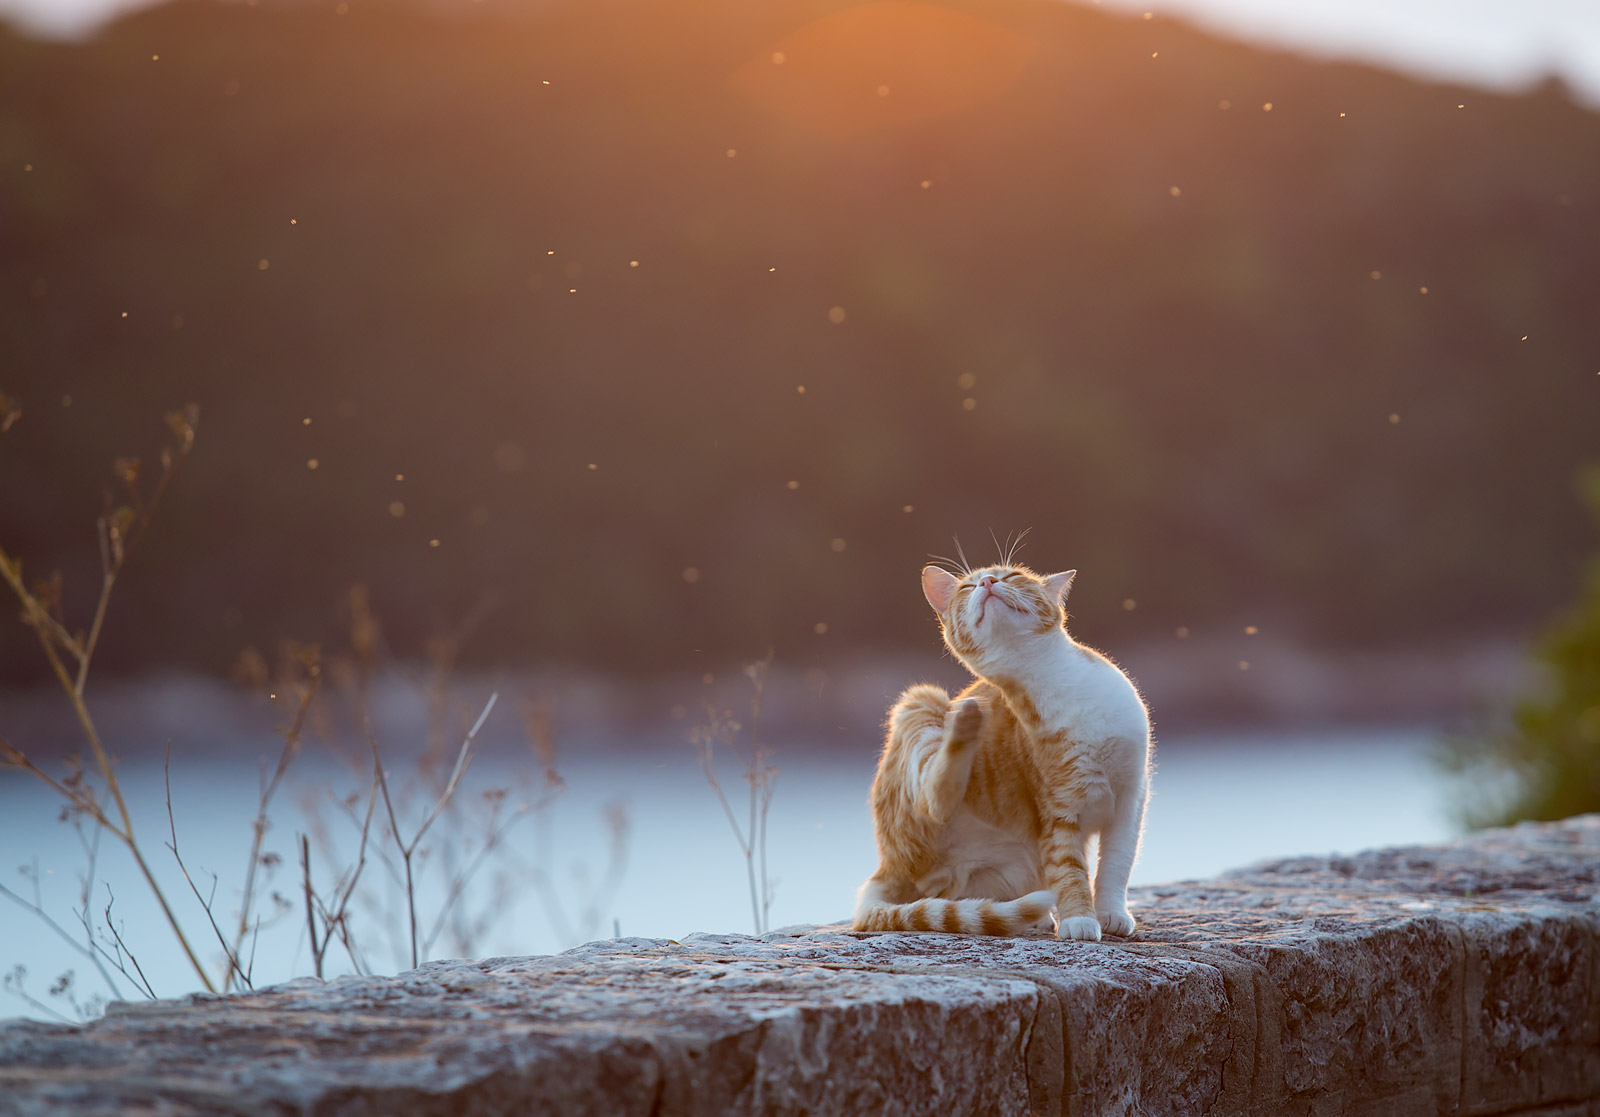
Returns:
(991,614)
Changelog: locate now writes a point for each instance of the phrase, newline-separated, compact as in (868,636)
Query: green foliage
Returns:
(1544,763)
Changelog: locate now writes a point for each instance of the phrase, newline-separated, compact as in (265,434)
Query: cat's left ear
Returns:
(1057,585)
(939,586)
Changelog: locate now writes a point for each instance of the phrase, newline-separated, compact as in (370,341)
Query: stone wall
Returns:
(1459,979)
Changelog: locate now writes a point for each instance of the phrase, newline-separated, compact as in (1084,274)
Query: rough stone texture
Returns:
(1460,979)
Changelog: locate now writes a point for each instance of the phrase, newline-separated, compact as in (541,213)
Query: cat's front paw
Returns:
(1117,922)
(1083,928)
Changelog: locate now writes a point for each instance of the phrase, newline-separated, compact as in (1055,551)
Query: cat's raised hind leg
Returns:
(944,782)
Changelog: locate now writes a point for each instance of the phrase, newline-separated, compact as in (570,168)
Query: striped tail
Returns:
(962,917)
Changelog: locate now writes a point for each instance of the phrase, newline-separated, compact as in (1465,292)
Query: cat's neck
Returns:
(1041,682)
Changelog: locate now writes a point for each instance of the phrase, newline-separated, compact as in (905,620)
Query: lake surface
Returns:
(1219,801)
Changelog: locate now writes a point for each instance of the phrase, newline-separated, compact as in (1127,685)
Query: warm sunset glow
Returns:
(884,64)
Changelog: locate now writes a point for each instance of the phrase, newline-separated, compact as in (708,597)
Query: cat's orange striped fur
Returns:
(984,807)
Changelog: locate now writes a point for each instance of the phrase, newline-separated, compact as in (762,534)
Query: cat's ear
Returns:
(939,586)
(1057,585)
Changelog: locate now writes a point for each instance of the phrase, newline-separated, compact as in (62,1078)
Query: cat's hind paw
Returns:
(968,721)
(1083,928)
(1117,922)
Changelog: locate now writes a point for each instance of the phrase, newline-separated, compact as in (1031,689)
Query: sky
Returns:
(1500,43)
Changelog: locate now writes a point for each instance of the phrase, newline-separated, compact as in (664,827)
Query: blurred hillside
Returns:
(1032,264)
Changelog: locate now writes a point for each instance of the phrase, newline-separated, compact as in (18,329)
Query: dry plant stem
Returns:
(91,848)
(762,779)
(459,883)
(335,921)
(407,849)
(708,766)
(34,614)
(116,543)
(291,748)
(108,580)
(338,918)
(76,946)
(13,986)
(13,757)
(122,949)
(759,774)
(125,834)
(234,969)
(311,913)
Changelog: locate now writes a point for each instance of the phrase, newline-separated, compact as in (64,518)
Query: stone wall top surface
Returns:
(1460,978)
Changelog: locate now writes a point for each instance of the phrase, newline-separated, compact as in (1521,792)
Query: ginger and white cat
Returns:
(984,808)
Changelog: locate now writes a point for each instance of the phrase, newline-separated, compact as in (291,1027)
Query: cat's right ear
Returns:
(939,586)
(1057,585)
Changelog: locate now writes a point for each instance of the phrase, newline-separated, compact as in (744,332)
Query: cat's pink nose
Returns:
(986,581)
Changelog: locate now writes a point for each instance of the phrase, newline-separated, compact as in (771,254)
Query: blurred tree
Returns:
(559,301)
(1545,762)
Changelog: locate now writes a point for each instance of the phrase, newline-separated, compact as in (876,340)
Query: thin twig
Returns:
(92,848)
(60,931)
(52,634)
(291,748)
(463,758)
(205,903)
(720,728)
(311,914)
(123,948)
(83,800)
(12,983)
(337,920)
(459,884)
(407,849)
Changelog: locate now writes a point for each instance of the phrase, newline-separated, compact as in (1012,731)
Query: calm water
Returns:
(1218,802)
